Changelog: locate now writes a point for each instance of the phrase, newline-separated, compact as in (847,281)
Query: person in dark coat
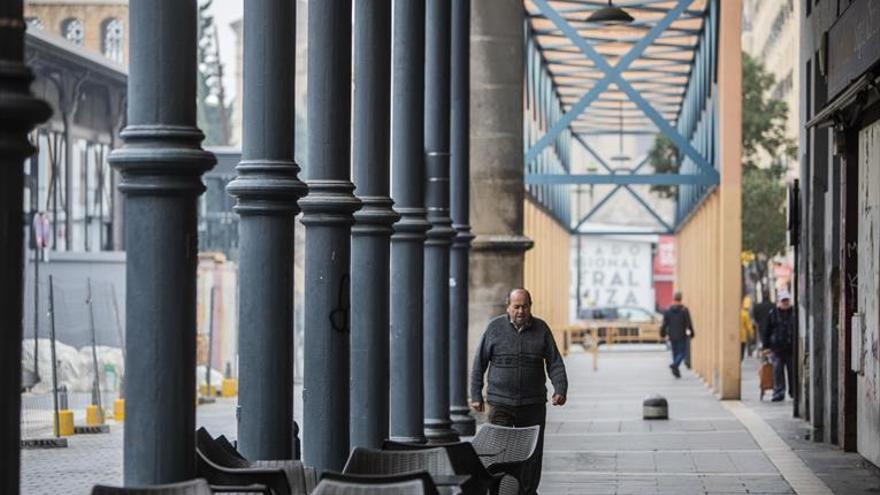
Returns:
(520,354)
(677,327)
(777,339)
(761,315)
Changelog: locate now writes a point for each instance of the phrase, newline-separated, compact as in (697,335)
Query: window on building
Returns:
(112,40)
(72,30)
(33,23)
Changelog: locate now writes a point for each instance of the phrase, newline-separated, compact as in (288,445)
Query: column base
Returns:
(440,431)
(409,439)
(462,422)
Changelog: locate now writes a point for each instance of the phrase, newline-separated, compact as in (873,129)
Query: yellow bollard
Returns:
(64,423)
(94,415)
(207,391)
(229,388)
(119,409)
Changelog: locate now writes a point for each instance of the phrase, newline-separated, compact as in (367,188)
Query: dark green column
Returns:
(462,422)
(266,190)
(438,426)
(371,234)
(161,164)
(19,113)
(408,240)
(327,216)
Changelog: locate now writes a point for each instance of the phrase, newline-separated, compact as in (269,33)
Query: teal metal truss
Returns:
(562,64)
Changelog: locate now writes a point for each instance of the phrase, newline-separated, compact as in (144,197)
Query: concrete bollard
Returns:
(655,407)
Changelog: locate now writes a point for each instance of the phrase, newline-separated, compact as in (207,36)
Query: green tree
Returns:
(765,151)
(213,112)
(663,156)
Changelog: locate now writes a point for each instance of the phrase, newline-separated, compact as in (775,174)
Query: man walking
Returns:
(677,328)
(519,346)
(761,316)
(777,340)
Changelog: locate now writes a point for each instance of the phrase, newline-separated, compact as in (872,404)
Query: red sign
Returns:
(664,260)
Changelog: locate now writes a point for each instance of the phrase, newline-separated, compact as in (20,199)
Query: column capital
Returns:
(412,224)
(463,236)
(21,111)
(376,216)
(489,242)
(161,159)
(267,187)
(329,202)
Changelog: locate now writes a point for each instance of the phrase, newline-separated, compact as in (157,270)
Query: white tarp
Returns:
(75,367)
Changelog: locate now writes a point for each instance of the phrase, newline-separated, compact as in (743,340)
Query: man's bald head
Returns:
(519,307)
(518,291)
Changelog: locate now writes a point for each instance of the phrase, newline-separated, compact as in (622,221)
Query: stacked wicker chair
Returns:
(415,483)
(192,487)
(221,465)
(382,463)
(465,461)
(507,450)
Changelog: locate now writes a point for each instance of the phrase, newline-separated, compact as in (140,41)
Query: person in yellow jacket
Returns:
(746,328)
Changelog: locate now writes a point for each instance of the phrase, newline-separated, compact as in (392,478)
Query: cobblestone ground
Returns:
(597,443)
(94,459)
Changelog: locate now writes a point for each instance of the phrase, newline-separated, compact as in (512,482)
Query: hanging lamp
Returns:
(610,15)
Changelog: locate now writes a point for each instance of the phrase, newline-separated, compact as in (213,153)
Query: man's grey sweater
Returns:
(516,376)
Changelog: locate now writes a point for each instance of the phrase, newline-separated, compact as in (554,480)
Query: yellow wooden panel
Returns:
(547,267)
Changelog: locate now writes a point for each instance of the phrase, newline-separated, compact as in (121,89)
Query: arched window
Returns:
(112,39)
(33,23)
(72,30)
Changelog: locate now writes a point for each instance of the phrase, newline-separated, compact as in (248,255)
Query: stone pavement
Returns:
(597,443)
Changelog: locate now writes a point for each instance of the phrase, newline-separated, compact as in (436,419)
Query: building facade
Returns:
(771,35)
(96,25)
(837,224)
(68,178)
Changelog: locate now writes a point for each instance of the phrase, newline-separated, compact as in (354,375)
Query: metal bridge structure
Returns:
(667,69)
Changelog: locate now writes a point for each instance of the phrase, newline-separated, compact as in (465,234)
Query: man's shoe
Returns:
(675,371)
(778,398)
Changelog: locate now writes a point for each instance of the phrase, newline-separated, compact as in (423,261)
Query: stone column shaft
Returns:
(462,423)
(371,234)
(327,217)
(436,304)
(266,190)
(161,164)
(407,242)
(496,153)
(19,113)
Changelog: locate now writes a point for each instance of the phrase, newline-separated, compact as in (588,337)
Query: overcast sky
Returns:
(225,12)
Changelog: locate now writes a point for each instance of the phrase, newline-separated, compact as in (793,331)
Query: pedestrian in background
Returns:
(746,329)
(778,339)
(761,314)
(677,327)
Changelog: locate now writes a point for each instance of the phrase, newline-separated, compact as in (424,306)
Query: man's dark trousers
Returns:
(679,350)
(782,366)
(521,416)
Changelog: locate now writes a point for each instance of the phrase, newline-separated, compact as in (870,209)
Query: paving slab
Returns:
(598,443)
